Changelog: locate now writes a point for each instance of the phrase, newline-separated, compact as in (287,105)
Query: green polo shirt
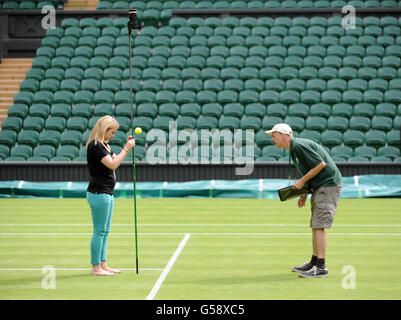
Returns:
(307,154)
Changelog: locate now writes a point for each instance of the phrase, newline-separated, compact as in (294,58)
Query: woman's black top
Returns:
(102,179)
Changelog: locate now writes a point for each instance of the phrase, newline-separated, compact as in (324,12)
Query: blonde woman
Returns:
(102,163)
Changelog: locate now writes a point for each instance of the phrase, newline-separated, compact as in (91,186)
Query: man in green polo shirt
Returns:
(320,172)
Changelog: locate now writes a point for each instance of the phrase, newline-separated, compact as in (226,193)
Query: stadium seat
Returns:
(375,138)
(389,151)
(21,150)
(342,151)
(45,151)
(28,137)
(330,138)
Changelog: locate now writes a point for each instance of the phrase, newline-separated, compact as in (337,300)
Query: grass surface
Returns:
(237,249)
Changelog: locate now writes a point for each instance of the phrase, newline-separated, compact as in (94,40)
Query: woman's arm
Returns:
(114,162)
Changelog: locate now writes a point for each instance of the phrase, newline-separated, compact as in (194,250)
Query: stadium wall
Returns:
(77,171)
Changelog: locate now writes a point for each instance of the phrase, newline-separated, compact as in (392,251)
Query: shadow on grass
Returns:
(249,279)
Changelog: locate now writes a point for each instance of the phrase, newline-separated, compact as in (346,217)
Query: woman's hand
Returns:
(130,143)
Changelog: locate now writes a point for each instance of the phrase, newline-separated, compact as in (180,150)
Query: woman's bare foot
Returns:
(98,271)
(106,268)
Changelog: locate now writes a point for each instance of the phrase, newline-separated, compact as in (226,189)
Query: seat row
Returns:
(245,4)
(94,79)
(325,111)
(379,125)
(49,149)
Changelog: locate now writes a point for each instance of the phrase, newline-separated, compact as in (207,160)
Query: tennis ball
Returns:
(138,130)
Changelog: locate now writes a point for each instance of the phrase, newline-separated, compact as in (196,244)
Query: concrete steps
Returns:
(81,5)
(12,72)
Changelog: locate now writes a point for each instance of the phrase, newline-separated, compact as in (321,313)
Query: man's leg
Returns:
(320,237)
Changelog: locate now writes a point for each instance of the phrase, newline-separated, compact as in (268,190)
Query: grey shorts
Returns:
(323,206)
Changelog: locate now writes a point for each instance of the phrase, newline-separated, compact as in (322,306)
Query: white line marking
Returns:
(75,269)
(167,269)
(194,225)
(211,234)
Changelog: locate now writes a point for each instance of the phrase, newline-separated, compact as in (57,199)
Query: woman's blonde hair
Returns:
(99,130)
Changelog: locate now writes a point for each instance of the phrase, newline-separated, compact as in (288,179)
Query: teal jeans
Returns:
(102,206)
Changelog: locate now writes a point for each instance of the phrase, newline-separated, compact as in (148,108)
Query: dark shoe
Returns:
(303,267)
(315,272)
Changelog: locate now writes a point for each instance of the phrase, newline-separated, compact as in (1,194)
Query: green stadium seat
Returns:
(18,110)
(229,122)
(364,110)
(380,159)
(186,122)
(382,123)
(375,138)
(124,109)
(320,110)
(337,123)
(162,122)
(82,110)
(270,122)
(71,137)
(191,110)
(207,122)
(55,123)
(67,151)
(212,110)
(359,123)
(256,110)
(353,138)
(103,109)
(392,138)
(357,159)
(34,123)
(342,151)
(12,123)
(296,123)
(262,139)
(250,122)
(21,150)
(4,151)
(316,123)
(386,110)
(311,135)
(77,123)
(147,110)
(272,151)
(146,123)
(330,138)
(39,110)
(169,110)
(185,96)
(389,151)
(28,137)
(44,151)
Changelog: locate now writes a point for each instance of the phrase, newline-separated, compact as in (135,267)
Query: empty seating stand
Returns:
(335,86)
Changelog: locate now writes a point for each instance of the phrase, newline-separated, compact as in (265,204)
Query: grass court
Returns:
(198,249)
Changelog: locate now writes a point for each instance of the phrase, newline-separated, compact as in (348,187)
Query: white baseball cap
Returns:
(282,128)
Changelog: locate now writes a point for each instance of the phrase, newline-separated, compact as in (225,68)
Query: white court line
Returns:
(167,269)
(75,269)
(194,225)
(210,234)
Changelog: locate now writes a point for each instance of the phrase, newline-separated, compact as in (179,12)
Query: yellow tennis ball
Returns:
(138,130)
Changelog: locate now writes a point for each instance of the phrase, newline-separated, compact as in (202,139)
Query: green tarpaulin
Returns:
(353,187)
